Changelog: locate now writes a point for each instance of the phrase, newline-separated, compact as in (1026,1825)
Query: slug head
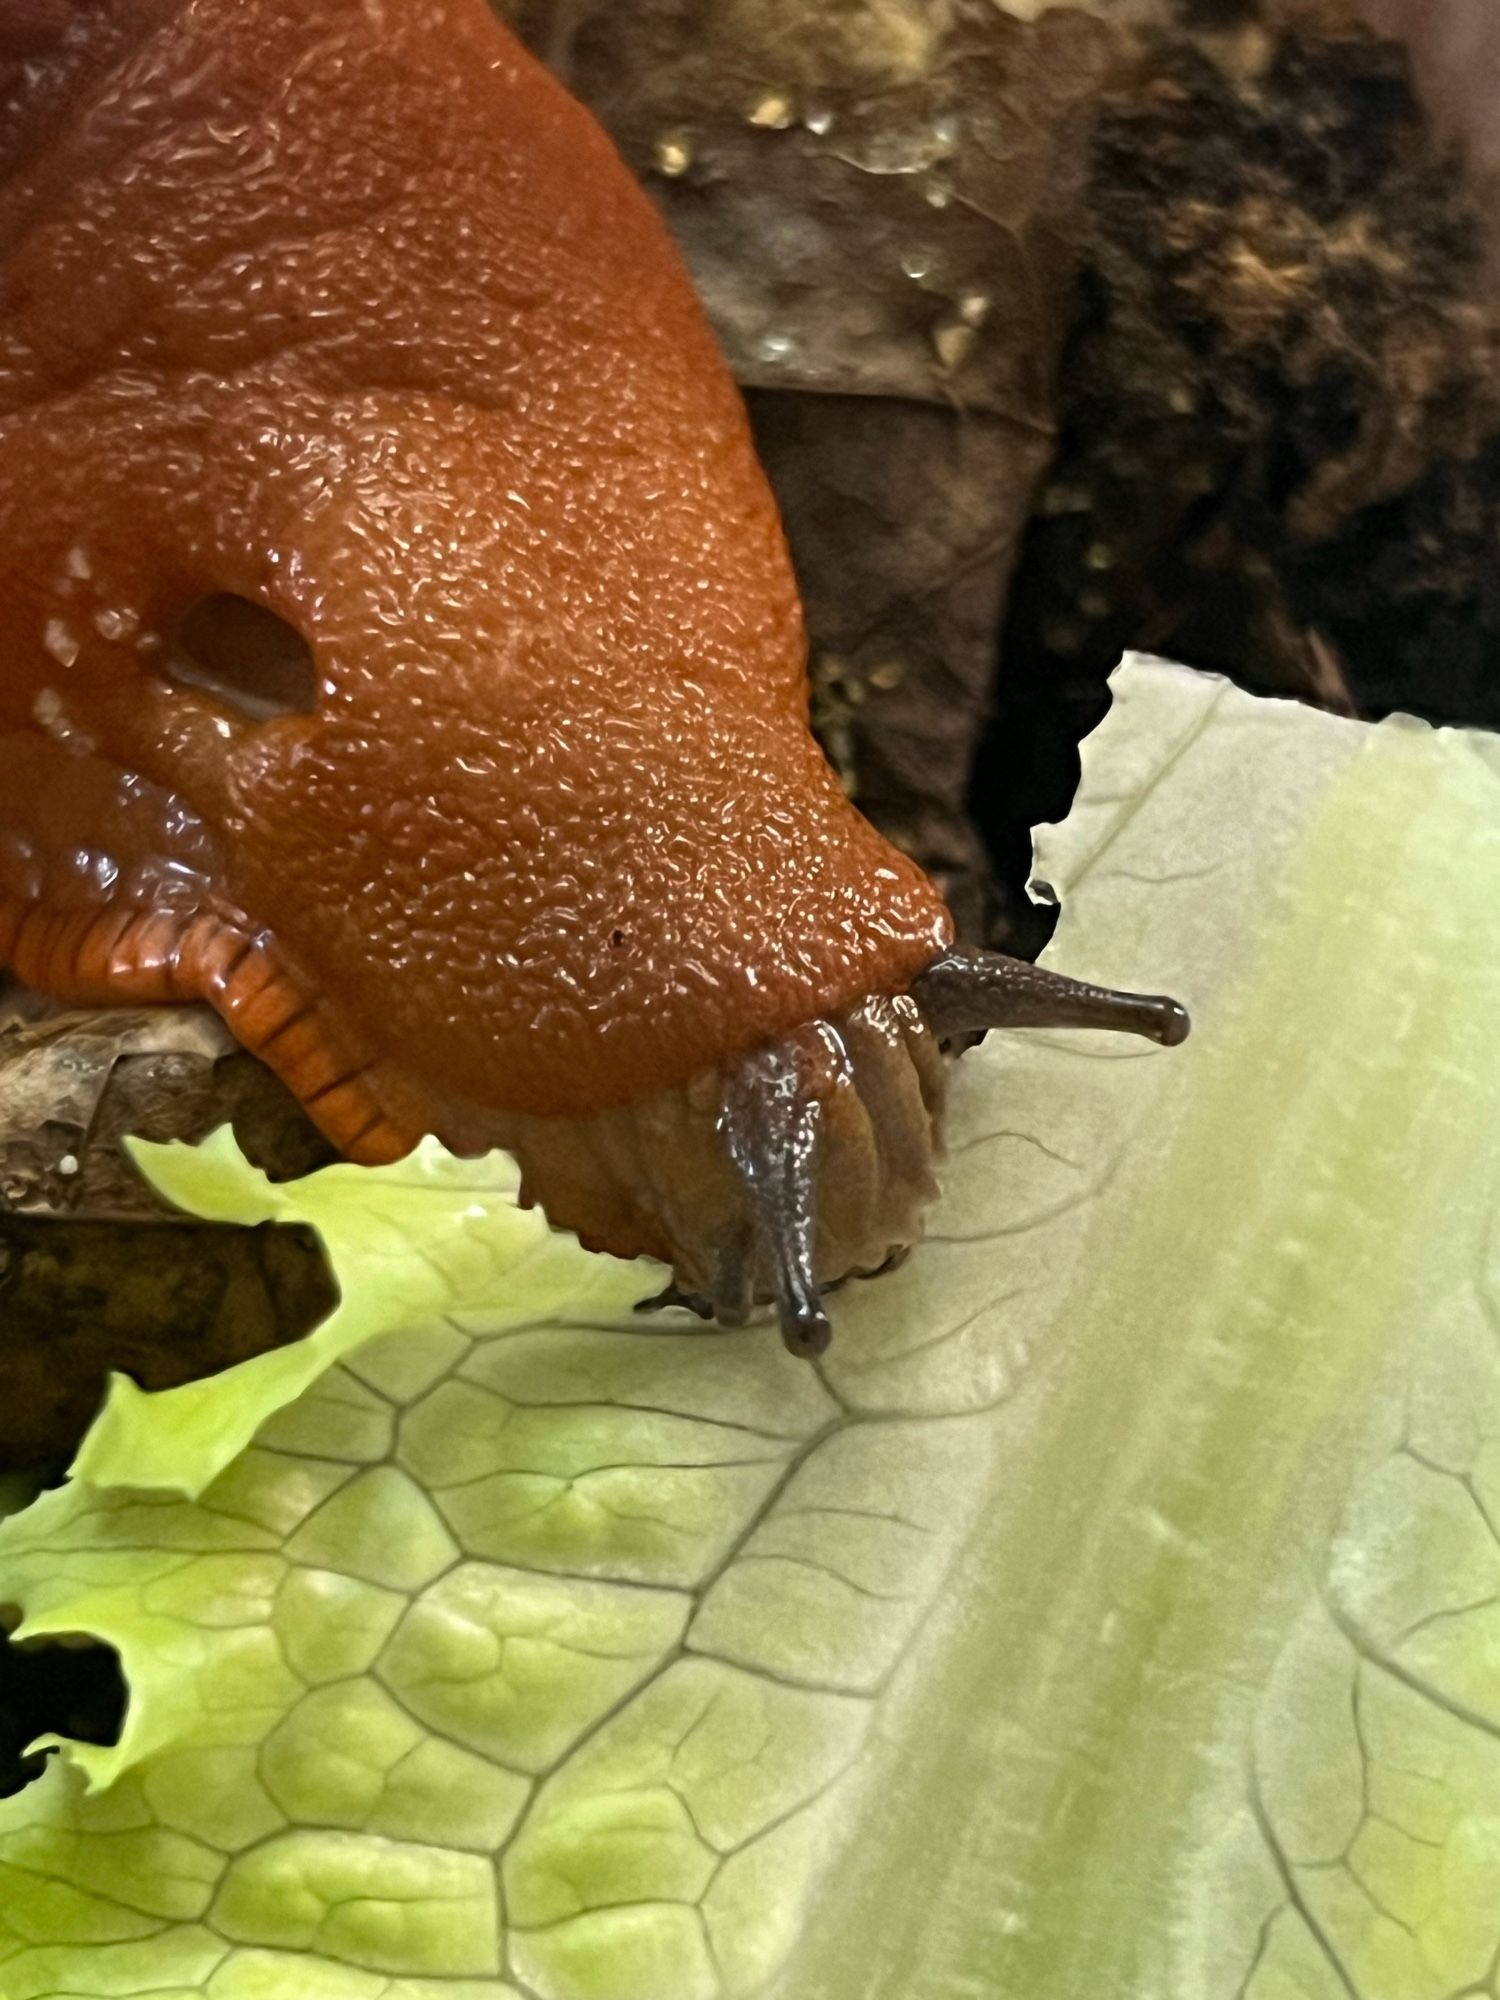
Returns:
(401,649)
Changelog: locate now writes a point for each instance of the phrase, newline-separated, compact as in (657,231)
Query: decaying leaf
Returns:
(876,200)
(905,594)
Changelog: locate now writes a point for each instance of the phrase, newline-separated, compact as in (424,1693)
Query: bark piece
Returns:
(96,1273)
(72,1085)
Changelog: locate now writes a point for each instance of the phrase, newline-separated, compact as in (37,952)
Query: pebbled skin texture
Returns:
(344,306)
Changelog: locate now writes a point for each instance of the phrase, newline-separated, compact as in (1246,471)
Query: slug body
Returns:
(398,645)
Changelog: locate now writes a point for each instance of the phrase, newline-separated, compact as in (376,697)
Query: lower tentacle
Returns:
(771,1124)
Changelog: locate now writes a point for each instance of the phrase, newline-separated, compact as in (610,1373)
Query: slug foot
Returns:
(111,954)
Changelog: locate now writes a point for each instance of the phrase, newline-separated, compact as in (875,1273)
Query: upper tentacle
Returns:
(965,992)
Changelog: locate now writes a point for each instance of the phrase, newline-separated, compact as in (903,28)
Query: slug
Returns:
(401,652)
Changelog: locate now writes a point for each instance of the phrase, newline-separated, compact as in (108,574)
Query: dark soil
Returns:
(1279,452)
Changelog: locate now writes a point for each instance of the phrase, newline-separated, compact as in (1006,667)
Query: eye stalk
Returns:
(966,992)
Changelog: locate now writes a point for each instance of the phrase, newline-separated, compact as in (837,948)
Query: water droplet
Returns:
(674,154)
(775,347)
(974,308)
(818,121)
(939,195)
(916,264)
(68,1164)
(773,112)
(1100,557)
(78,565)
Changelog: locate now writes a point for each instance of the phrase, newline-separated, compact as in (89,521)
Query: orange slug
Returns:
(399,649)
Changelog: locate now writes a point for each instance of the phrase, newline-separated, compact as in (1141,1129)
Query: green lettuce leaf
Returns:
(1116,1612)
